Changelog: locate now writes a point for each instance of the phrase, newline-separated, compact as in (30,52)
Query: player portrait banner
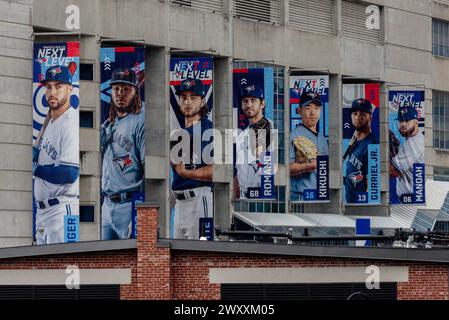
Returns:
(309,138)
(361,151)
(406,137)
(191,148)
(55,140)
(122,139)
(253,114)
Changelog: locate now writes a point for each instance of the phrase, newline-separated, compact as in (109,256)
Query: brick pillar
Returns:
(153,261)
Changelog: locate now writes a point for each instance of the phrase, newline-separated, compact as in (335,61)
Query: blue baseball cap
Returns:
(308,97)
(407,113)
(193,85)
(362,105)
(58,73)
(124,76)
(252,91)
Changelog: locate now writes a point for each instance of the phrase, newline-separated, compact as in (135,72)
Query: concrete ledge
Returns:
(305,275)
(60,276)
(389,254)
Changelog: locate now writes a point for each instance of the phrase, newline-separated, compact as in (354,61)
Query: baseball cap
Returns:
(124,76)
(252,91)
(308,97)
(193,85)
(407,113)
(362,105)
(58,73)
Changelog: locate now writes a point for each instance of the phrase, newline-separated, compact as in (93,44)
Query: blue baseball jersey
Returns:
(180,183)
(356,179)
(307,180)
(124,157)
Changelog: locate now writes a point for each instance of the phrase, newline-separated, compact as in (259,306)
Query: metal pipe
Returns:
(251,233)
(65,33)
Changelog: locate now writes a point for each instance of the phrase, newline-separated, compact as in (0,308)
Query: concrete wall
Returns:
(404,57)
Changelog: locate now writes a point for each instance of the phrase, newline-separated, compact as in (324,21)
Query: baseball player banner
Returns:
(191,146)
(122,139)
(55,160)
(407,159)
(309,139)
(361,151)
(254,156)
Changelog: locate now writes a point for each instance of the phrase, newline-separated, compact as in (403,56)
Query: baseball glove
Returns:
(394,145)
(305,150)
(257,127)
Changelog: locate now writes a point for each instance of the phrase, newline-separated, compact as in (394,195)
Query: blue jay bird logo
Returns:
(123,162)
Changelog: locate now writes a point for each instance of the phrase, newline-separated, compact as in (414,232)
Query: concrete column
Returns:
(157,124)
(337,18)
(284,12)
(223,173)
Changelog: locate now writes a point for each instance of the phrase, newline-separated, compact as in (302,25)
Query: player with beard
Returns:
(192,181)
(123,148)
(56,160)
(355,180)
(409,153)
(251,142)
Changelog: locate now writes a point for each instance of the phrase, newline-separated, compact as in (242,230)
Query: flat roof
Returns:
(436,255)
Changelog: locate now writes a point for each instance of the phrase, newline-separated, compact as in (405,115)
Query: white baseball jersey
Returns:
(249,167)
(409,153)
(59,145)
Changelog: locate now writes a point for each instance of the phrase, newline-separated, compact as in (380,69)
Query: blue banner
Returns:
(406,147)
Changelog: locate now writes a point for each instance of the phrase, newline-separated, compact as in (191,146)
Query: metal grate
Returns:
(328,291)
(258,10)
(215,6)
(353,23)
(312,15)
(104,292)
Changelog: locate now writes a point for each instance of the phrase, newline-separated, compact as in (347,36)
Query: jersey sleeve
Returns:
(140,140)
(406,157)
(69,144)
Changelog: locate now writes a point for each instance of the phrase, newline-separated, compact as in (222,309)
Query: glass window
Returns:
(86,71)
(86,119)
(263,206)
(87,213)
(440,38)
(440,112)
(441,174)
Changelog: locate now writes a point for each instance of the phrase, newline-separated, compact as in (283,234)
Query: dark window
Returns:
(86,119)
(440,38)
(440,174)
(86,71)
(328,291)
(104,292)
(440,105)
(87,213)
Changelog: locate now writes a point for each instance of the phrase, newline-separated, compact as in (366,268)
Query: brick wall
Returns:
(161,273)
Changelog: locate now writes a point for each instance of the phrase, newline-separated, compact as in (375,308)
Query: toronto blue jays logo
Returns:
(55,71)
(123,74)
(403,112)
(123,162)
(189,84)
(356,177)
(256,165)
(248,89)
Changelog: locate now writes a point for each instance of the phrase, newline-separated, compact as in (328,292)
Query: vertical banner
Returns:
(253,113)
(191,146)
(56,142)
(361,151)
(407,159)
(122,139)
(309,138)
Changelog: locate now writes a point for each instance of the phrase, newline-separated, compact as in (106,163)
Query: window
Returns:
(440,38)
(440,174)
(87,213)
(215,6)
(440,111)
(86,119)
(273,206)
(86,71)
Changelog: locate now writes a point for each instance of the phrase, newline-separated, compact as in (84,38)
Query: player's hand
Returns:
(36,152)
(312,166)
